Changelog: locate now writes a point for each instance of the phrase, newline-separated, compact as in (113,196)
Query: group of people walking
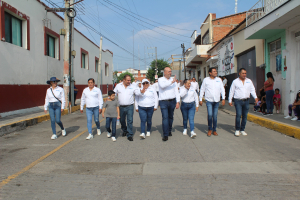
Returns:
(165,94)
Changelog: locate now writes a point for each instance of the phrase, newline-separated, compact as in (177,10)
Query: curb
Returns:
(23,124)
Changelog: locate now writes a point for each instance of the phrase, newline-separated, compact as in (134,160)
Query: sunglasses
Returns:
(145,83)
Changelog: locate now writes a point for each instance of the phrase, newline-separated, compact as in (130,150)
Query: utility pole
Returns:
(183,52)
(99,81)
(133,49)
(156,61)
(139,57)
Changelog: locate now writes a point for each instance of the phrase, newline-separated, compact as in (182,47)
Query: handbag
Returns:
(55,96)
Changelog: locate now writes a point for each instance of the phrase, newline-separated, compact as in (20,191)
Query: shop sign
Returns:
(225,57)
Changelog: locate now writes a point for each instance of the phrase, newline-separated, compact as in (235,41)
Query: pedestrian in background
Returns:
(147,102)
(277,100)
(268,87)
(55,99)
(126,92)
(213,87)
(155,85)
(92,97)
(240,90)
(169,99)
(195,85)
(189,104)
(111,106)
(294,107)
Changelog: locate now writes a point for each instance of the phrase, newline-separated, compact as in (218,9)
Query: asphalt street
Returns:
(263,165)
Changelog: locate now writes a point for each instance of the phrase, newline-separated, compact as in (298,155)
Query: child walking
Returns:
(111,106)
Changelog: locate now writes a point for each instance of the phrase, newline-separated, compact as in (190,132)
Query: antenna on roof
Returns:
(236,1)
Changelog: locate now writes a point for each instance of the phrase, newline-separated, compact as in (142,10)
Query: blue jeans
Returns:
(212,115)
(126,111)
(55,114)
(188,113)
(89,115)
(146,116)
(167,111)
(241,108)
(269,101)
(113,122)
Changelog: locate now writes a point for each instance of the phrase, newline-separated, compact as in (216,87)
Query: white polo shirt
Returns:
(92,98)
(238,90)
(195,85)
(148,99)
(59,93)
(126,95)
(167,89)
(212,89)
(189,96)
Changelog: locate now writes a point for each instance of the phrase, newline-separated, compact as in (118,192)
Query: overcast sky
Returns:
(164,24)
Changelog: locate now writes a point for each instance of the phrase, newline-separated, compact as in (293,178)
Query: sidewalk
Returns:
(28,117)
(275,122)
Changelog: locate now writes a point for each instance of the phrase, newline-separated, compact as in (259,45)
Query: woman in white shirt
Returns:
(146,103)
(189,105)
(55,100)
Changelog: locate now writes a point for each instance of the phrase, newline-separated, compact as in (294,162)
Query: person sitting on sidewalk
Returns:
(263,105)
(257,106)
(277,100)
(296,107)
(111,106)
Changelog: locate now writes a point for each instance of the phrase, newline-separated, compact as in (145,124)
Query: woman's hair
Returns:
(185,81)
(270,75)
(297,97)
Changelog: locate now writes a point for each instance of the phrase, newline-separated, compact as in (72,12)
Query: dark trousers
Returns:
(242,108)
(126,111)
(167,111)
(113,122)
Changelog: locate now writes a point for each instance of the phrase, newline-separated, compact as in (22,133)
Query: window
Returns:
(84,59)
(13,30)
(205,39)
(50,46)
(106,69)
(275,55)
(96,64)
(51,43)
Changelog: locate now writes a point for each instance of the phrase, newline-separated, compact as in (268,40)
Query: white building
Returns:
(137,74)
(31,51)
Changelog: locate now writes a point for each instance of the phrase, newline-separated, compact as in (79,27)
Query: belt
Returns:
(125,105)
(189,102)
(243,99)
(169,99)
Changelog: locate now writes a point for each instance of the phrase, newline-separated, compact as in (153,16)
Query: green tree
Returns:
(161,64)
(121,77)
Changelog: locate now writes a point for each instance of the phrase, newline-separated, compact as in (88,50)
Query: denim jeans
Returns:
(113,122)
(212,115)
(241,108)
(297,110)
(126,111)
(89,115)
(146,114)
(188,113)
(291,110)
(269,101)
(55,114)
(167,111)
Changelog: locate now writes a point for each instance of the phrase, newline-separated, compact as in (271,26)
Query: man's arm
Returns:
(196,99)
(82,101)
(231,92)
(163,83)
(156,100)
(202,90)
(100,98)
(222,91)
(136,102)
(252,91)
(177,95)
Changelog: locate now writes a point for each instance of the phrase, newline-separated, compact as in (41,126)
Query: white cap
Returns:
(145,80)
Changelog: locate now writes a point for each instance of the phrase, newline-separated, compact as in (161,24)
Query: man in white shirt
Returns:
(92,97)
(240,90)
(155,85)
(212,86)
(168,99)
(195,85)
(126,92)
(224,81)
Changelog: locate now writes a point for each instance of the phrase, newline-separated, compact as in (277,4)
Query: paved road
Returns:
(263,165)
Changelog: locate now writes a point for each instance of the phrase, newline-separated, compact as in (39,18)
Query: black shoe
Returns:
(124,134)
(130,138)
(170,134)
(165,138)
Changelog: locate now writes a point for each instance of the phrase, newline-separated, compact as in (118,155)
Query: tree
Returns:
(161,65)
(115,76)
(121,77)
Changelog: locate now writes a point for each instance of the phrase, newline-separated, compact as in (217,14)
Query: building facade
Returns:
(31,51)
(137,74)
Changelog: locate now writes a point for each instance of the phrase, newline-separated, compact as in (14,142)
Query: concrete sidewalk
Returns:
(28,117)
(275,122)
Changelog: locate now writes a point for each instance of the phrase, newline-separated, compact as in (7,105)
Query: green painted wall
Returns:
(281,36)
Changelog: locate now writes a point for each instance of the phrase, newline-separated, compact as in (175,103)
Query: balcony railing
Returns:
(262,8)
(197,51)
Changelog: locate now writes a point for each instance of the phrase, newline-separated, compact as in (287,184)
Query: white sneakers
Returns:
(148,134)
(295,119)
(63,132)
(90,136)
(238,133)
(113,139)
(143,135)
(98,131)
(193,134)
(108,134)
(184,132)
(244,133)
(287,117)
(53,137)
